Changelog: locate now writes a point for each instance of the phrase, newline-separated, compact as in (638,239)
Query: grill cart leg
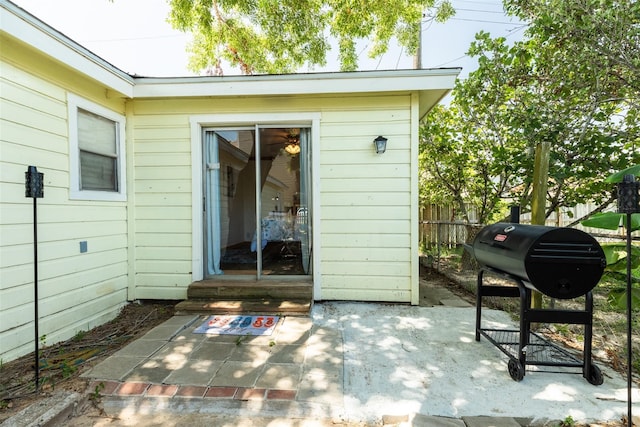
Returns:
(479,304)
(590,371)
(525,325)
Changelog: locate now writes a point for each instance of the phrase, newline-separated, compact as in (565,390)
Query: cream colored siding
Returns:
(76,290)
(162,200)
(366,203)
(365,197)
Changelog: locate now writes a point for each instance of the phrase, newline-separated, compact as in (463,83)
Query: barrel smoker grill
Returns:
(562,263)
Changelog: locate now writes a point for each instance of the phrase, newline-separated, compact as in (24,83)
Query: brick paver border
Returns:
(130,388)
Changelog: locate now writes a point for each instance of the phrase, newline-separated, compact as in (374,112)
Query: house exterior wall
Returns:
(367,223)
(366,202)
(76,291)
(146,243)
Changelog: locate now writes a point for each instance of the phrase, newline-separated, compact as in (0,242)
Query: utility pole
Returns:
(417,59)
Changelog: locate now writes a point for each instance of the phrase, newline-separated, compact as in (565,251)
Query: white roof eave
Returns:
(431,85)
(297,84)
(19,24)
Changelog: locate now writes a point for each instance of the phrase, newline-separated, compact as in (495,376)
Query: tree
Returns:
(592,48)
(592,44)
(515,105)
(462,164)
(280,36)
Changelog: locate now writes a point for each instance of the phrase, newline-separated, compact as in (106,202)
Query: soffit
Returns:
(431,85)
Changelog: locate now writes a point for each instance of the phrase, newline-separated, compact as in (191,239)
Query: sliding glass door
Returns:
(257,201)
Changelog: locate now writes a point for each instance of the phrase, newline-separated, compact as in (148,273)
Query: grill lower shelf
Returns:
(539,351)
(525,347)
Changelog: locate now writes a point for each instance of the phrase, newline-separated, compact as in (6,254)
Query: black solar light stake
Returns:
(34,189)
(629,203)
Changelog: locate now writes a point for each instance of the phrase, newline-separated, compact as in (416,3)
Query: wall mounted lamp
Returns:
(380,144)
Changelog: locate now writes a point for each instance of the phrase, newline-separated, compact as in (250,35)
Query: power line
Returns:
(476,2)
(400,56)
(467,56)
(449,62)
(485,21)
(128,39)
(500,12)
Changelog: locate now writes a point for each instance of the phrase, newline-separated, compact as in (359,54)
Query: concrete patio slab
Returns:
(114,367)
(197,372)
(280,376)
(357,362)
(238,374)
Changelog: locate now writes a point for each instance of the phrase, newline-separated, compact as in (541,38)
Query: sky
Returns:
(134,35)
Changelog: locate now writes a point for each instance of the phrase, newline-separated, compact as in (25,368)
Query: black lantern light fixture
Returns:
(628,204)
(34,189)
(629,195)
(380,143)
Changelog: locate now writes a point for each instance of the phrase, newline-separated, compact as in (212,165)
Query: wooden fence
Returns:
(437,237)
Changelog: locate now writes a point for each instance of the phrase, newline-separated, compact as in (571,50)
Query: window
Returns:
(96,141)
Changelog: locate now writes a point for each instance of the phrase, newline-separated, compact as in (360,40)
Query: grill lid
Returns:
(559,262)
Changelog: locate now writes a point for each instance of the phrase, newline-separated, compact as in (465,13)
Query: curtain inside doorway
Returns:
(302,217)
(212,185)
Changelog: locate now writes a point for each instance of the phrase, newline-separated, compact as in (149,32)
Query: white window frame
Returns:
(74,103)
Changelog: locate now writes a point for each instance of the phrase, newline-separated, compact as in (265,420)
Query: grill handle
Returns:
(569,259)
(494,245)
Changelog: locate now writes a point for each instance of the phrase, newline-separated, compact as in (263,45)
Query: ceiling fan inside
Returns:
(293,142)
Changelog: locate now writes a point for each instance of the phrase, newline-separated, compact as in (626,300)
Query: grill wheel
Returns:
(595,375)
(516,370)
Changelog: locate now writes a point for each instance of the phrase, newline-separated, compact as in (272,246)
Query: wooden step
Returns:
(240,290)
(283,307)
(241,296)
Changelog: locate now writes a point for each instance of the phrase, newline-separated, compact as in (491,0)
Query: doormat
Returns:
(238,325)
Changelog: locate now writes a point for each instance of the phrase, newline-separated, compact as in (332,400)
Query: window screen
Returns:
(98,144)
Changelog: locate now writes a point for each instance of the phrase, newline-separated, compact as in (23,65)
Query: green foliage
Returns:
(280,36)
(611,221)
(242,338)
(79,335)
(567,422)
(96,396)
(614,220)
(462,164)
(548,87)
(616,253)
(616,271)
(590,43)
(617,297)
(618,176)
(68,370)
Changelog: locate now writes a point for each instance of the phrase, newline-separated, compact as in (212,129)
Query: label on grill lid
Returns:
(500,237)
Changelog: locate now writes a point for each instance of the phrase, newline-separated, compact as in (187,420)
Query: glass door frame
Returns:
(197,122)
(256,127)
